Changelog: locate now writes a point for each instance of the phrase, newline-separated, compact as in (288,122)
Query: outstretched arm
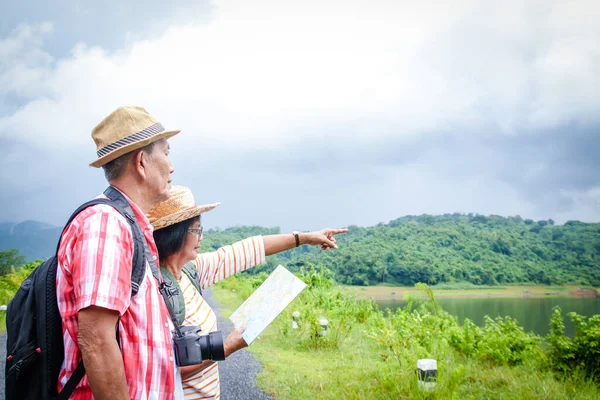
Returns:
(229,260)
(325,238)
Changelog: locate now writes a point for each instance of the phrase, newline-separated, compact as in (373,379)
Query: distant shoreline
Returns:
(400,293)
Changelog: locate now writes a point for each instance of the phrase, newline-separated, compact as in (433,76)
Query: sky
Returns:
(311,114)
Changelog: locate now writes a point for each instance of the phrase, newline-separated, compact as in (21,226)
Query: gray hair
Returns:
(115,168)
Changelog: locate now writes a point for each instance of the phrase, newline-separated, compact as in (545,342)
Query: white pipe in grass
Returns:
(295,318)
(427,374)
(324,323)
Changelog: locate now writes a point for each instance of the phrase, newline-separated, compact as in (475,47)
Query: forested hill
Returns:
(450,248)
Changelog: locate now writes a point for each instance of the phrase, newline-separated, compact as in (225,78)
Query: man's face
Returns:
(159,171)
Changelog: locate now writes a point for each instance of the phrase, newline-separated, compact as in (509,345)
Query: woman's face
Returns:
(192,241)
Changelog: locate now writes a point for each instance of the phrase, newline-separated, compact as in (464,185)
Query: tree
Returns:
(501,247)
(457,248)
(10,259)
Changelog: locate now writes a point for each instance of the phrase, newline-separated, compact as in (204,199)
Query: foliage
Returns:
(449,249)
(501,340)
(10,260)
(579,353)
(10,283)
(217,238)
(369,353)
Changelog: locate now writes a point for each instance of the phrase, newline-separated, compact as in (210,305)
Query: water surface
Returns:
(533,314)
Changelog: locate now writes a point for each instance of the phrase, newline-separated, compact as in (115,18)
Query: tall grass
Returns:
(9,284)
(369,353)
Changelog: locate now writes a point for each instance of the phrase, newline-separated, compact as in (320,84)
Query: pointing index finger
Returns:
(337,231)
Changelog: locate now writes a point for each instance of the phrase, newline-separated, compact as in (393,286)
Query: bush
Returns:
(466,338)
(504,341)
(501,341)
(582,353)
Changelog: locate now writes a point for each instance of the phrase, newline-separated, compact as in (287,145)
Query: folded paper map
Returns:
(267,302)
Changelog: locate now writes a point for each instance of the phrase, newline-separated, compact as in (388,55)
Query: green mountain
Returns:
(449,248)
(483,250)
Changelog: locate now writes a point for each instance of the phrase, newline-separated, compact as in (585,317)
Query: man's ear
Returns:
(141,162)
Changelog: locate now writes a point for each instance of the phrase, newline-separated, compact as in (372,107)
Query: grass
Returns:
(366,356)
(369,354)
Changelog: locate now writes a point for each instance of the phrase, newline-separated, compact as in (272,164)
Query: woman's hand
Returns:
(281,242)
(324,238)
(235,341)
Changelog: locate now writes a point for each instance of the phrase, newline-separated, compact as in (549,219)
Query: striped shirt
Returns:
(213,267)
(95,263)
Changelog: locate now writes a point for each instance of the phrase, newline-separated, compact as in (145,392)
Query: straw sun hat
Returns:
(124,130)
(179,207)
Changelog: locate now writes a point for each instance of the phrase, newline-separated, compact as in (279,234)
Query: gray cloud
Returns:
(109,24)
(416,109)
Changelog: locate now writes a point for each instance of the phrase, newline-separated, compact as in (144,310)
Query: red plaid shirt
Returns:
(95,262)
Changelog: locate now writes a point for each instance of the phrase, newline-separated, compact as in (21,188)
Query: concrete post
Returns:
(427,374)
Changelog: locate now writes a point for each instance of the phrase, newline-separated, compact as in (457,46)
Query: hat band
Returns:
(136,137)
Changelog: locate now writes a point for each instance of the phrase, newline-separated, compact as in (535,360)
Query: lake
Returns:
(532,313)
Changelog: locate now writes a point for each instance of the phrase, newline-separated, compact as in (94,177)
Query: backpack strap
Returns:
(162,286)
(72,383)
(192,273)
(175,295)
(118,202)
(79,209)
(77,376)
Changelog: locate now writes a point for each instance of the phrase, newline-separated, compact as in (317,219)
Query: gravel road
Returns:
(238,372)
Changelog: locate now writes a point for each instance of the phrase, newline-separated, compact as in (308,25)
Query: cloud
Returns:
(24,65)
(414,108)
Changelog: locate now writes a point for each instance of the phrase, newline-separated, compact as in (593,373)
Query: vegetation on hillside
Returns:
(445,249)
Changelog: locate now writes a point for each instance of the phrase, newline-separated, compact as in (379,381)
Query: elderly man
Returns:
(94,282)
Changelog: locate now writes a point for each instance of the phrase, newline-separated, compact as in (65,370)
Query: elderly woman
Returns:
(178,233)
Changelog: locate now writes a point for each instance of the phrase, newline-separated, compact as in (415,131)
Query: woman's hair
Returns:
(170,240)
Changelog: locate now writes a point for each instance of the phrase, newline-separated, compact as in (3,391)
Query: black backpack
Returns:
(34,342)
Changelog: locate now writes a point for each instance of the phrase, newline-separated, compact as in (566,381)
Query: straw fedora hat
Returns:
(124,130)
(179,207)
